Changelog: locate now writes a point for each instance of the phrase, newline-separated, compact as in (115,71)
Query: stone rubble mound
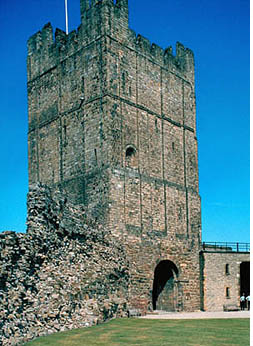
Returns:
(66,272)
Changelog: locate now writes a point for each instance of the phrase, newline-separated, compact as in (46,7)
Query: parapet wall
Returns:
(64,273)
(100,19)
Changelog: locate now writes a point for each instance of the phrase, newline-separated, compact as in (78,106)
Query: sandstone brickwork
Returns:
(66,272)
(112,123)
(221,278)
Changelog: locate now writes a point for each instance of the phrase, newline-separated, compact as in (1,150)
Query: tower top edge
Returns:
(45,44)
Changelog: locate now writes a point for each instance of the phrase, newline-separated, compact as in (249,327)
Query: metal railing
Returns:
(226,246)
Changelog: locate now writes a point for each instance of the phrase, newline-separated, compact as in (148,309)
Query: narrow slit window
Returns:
(82,85)
(64,133)
(96,158)
(227,292)
(156,126)
(227,269)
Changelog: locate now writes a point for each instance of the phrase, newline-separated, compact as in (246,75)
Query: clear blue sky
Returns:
(218,33)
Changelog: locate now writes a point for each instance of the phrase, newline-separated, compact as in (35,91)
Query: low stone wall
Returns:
(221,290)
(64,273)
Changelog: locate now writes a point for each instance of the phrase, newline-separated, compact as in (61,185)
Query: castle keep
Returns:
(112,125)
(113,209)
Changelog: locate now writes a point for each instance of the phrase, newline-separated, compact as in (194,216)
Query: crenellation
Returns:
(47,36)
(122,3)
(168,51)
(185,59)
(34,43)
(43,46)
(44,52)
(60,37)
(84,6)
(181,63)
(143,44)
(157,51)
(123,7)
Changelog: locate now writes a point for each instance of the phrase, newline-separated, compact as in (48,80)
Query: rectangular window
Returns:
(227,292)
(227,269)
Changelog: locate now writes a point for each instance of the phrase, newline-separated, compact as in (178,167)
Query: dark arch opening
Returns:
(130,151)
(245,278)
(164,276)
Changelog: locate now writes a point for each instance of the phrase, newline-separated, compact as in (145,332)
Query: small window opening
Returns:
(123,77)
(64,133)
(123,82)
(173,146)
(130,152)
(227,292)
(82,85)
(227,269)
(96,158)
(156,126)
(180,213)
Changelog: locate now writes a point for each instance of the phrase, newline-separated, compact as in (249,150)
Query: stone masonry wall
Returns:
(216,280)
(112,123)
(65,272)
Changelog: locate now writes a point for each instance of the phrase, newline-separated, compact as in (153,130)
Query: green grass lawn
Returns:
(133,331)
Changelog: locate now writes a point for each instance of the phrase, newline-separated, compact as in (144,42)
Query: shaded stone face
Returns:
(112,124)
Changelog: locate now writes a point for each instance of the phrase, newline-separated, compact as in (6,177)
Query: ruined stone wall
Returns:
(66,272)
(216,281)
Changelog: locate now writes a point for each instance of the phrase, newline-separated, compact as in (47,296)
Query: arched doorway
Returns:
(164,294)
(245,278)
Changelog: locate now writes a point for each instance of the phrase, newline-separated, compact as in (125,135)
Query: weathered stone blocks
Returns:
(112,126)
(65,272)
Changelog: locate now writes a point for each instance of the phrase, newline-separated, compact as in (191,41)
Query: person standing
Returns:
(242,301)
(248,302)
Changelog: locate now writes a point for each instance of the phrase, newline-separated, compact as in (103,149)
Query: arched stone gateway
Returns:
(165,291)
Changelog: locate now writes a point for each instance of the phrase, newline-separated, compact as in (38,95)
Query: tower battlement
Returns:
(182,62)
(46,50)
(102,18)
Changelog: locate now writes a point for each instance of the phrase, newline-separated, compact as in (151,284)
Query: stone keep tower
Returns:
(112,124)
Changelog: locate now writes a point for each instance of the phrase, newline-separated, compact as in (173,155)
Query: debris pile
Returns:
(65,272)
